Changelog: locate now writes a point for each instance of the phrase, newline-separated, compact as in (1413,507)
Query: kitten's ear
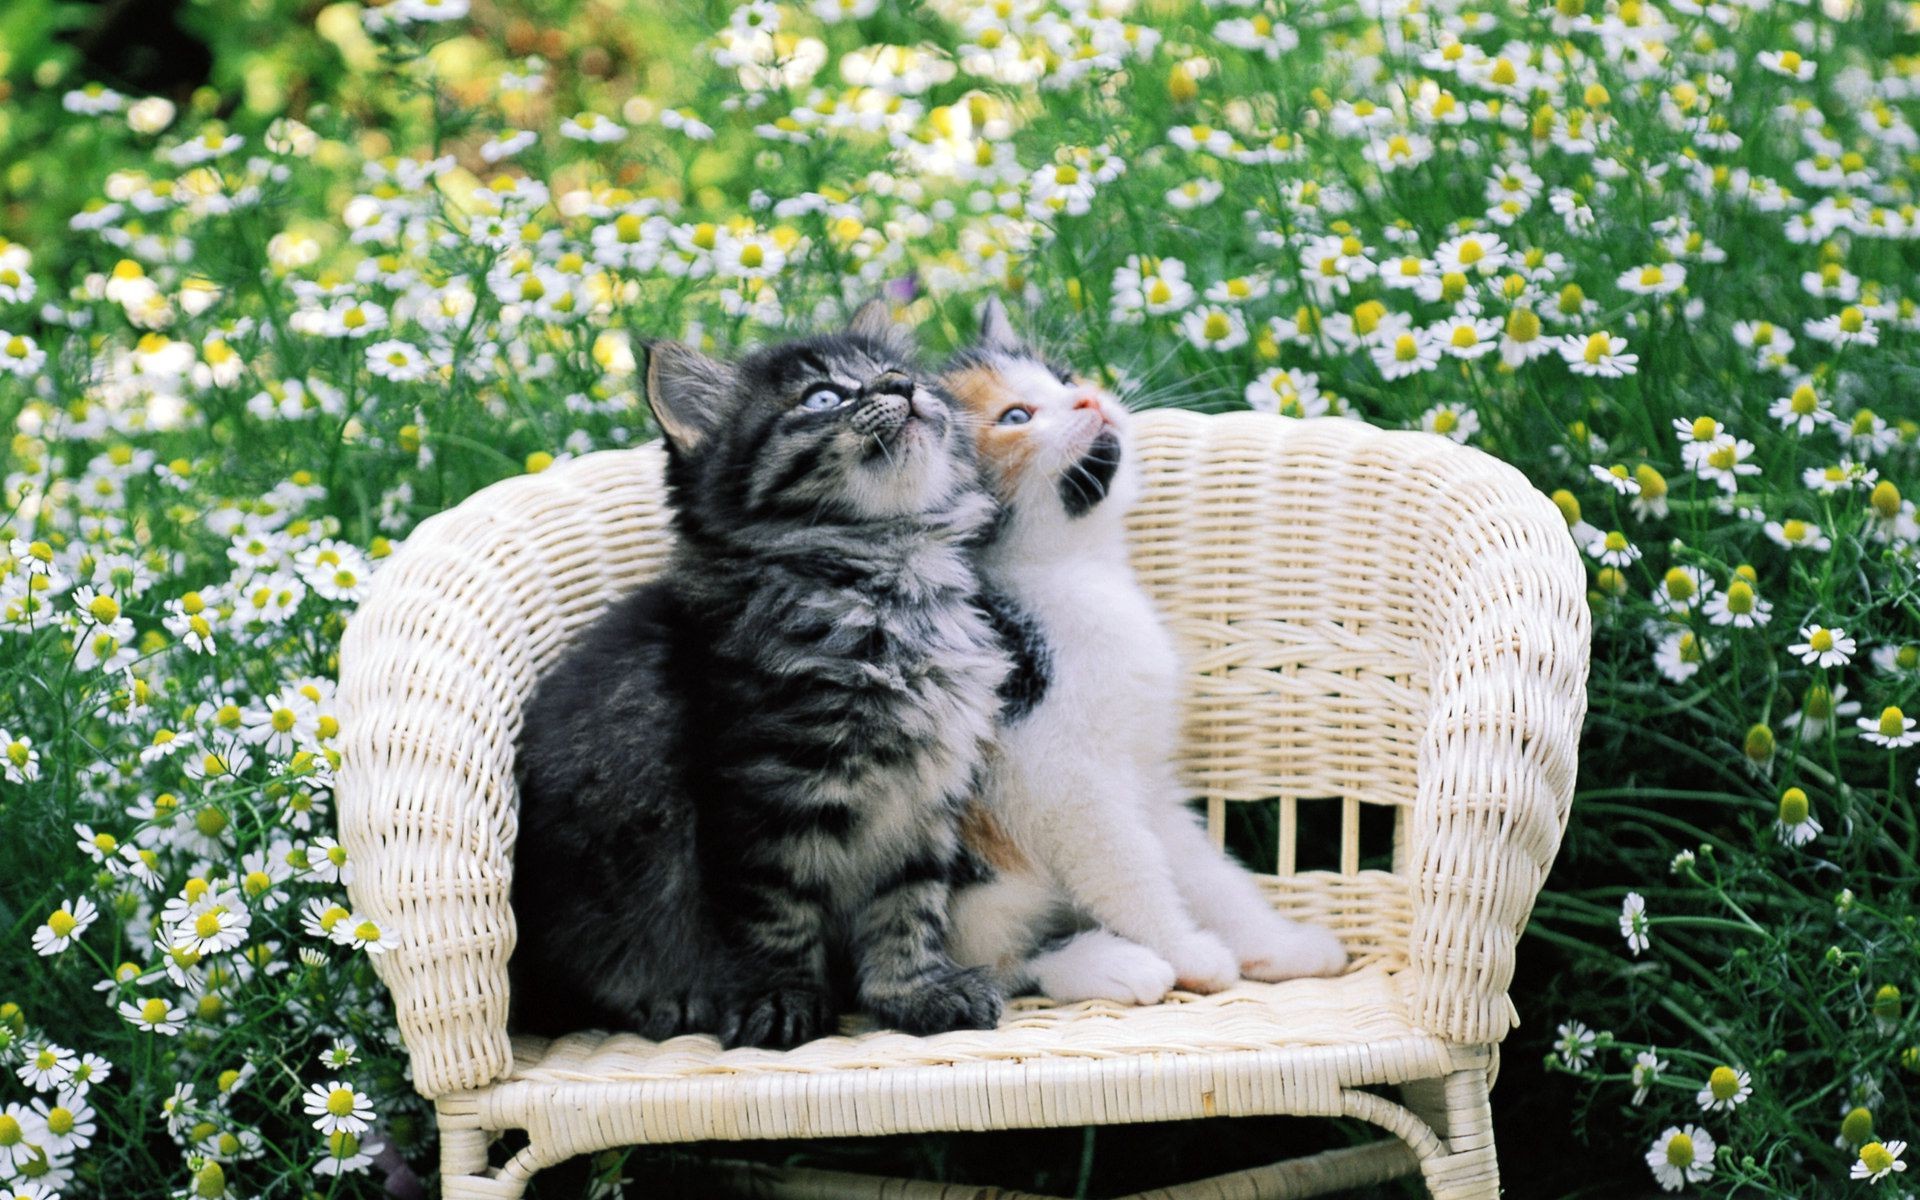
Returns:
(875,320)
(685,389)
(996,327)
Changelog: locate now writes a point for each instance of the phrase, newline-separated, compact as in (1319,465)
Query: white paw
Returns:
(1281,949)
(1098,965)
(1202,963)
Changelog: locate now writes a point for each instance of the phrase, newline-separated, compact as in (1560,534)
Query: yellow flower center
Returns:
(340,1102)
(210,821)
(1464,337)
(1598,346)
(207,924)
(1217,326)
(1616,541)
(10,1132)
(1821,641)
(1794,530)
(1406,348)
(752,255)
(1679,1150)
(1523,325)
(1852,320)
(1159,292)
(1876,1157)
(1739,598)
(367,931)
(1651,276)
(153,1011)
(1679,585)
(1893,722)
(1445,421)
(1790,61)
(105,609)
(59,1121)
(62,923)
(1723,457)
(1723,1083)
(341,1144)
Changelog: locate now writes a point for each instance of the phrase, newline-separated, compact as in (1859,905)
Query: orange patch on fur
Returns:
(1006,450)
(983,835)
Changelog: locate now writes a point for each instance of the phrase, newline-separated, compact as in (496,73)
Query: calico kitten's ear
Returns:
(686,390)
(875,320)
(996,327)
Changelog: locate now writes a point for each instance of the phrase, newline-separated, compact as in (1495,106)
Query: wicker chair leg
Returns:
(1457,1107)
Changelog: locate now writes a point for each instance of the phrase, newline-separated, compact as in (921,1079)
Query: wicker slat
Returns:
(1372,618)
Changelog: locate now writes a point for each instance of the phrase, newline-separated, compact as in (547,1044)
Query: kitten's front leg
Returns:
(780,932)
(1108,858)
(1227,900)
(905,976)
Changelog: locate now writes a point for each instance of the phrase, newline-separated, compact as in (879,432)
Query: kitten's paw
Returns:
(956,998)
(1282,949)
(1202,963)
(1098,965)
(778,1018)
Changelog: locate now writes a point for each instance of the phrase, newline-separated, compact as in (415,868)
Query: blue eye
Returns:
(821,399)
(1017,415)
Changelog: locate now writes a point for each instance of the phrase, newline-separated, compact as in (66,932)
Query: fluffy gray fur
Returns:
(740,789)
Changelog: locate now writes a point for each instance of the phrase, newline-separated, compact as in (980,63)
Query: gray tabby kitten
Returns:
(740,789)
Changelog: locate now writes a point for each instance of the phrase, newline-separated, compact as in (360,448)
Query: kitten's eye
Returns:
(1019,414)
(821,399)
(1063,375)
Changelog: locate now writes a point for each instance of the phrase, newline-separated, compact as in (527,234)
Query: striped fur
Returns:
(741,789)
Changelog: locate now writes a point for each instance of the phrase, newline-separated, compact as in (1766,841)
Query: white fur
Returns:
(1084,785)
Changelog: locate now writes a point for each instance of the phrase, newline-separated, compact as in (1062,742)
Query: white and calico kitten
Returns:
(1093,878)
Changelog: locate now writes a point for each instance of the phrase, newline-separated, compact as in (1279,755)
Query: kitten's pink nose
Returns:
(1087,400)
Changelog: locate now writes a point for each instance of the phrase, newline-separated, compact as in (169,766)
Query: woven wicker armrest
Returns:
(1497,758)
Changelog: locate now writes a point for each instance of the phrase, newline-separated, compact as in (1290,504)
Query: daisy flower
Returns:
(1634,923)
(1681,1156)
(154,1015)
(1409,353)
(1738,606)
(346,1154)
(362,934)
(69,1123)
(1575,1044)
(1725,462)
(398,361)
(591,127)
(68,922)
(1795,534)
(338,1106)
(1796,825)
(45,1066)
(1214,328)
(20,1136)
(1479,253)
(1823,647)
(1647,1069)
(1616,477)
(1612,549)
(1598,354)
(1653,279)
(219,922)
(1892,729)
(18,759)
(1467,337)
(1878,1160)
(1788,63)
(1801,411)
(1848,327)
(1681,588)
(1455,421)
(1726,1090)
(1520,338)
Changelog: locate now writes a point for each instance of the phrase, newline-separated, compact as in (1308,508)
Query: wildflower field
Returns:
(261,314)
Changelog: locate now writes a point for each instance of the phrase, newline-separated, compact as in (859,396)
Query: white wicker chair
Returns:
(1371,618)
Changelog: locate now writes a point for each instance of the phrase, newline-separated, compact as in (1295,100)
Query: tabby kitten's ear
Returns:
(996,327)
(686,390)
(875,320)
